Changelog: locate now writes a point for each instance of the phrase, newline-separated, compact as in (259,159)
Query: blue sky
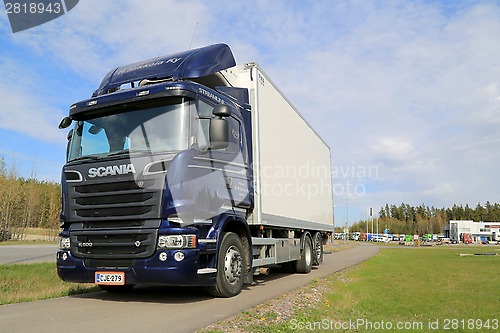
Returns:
(406,93)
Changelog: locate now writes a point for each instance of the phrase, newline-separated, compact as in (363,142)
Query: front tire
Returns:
(230,267)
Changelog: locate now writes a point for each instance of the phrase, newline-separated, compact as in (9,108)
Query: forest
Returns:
(27,203)
(407,219)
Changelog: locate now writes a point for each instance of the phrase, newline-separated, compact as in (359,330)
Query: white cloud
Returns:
(412,88)
(87,42)
(97,36)
(392,149)
(25,104)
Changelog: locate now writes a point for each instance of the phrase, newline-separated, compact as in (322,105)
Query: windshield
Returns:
(150,129)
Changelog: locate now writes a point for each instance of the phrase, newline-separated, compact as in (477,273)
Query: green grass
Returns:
(25,283)
(418,287)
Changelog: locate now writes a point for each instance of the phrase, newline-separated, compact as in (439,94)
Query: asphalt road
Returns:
(27,254)
(149,309)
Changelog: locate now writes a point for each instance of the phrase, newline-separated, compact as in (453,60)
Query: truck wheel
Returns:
(304,264)
(318,249)
(230,267)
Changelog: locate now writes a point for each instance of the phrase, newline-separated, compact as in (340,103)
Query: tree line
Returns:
(27,203)
(407,219)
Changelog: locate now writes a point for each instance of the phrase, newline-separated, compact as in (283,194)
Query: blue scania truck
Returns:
(190,170)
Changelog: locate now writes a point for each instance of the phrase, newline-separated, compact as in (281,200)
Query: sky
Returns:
(405,93)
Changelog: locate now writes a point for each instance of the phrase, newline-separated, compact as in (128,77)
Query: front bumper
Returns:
(155,270)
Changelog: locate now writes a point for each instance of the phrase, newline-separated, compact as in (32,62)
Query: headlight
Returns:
(64,243)
(177,242)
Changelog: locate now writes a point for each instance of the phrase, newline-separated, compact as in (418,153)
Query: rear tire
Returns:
(318,249)
(230,267)
(304,264)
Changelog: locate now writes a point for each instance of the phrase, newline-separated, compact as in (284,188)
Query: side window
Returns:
(203,132)
(205,109)
(234,135)
(203,120)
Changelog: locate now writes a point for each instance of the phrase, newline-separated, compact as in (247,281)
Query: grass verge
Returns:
(400,289)
(25,283)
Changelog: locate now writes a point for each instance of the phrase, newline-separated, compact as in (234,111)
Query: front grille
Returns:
(116,244)
(119,224)
(113,211)
(115,200)
(114,220)
(114,186)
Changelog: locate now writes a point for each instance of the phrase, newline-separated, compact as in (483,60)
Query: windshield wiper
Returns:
(86,158)
(127,151)
(120,152)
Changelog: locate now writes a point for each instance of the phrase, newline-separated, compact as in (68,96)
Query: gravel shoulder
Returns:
(281,309)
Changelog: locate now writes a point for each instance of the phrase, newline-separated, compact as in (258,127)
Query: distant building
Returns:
(480,231)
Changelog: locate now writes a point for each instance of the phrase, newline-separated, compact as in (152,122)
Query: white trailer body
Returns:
(292,164)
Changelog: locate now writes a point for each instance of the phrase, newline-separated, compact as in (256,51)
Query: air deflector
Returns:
(184,65)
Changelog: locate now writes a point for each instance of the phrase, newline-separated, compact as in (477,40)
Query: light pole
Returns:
(367,223)
(371,218)
(347,215)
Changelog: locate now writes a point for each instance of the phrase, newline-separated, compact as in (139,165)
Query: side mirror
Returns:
(65,123)
(219,133)
(222,110)
(219,127)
